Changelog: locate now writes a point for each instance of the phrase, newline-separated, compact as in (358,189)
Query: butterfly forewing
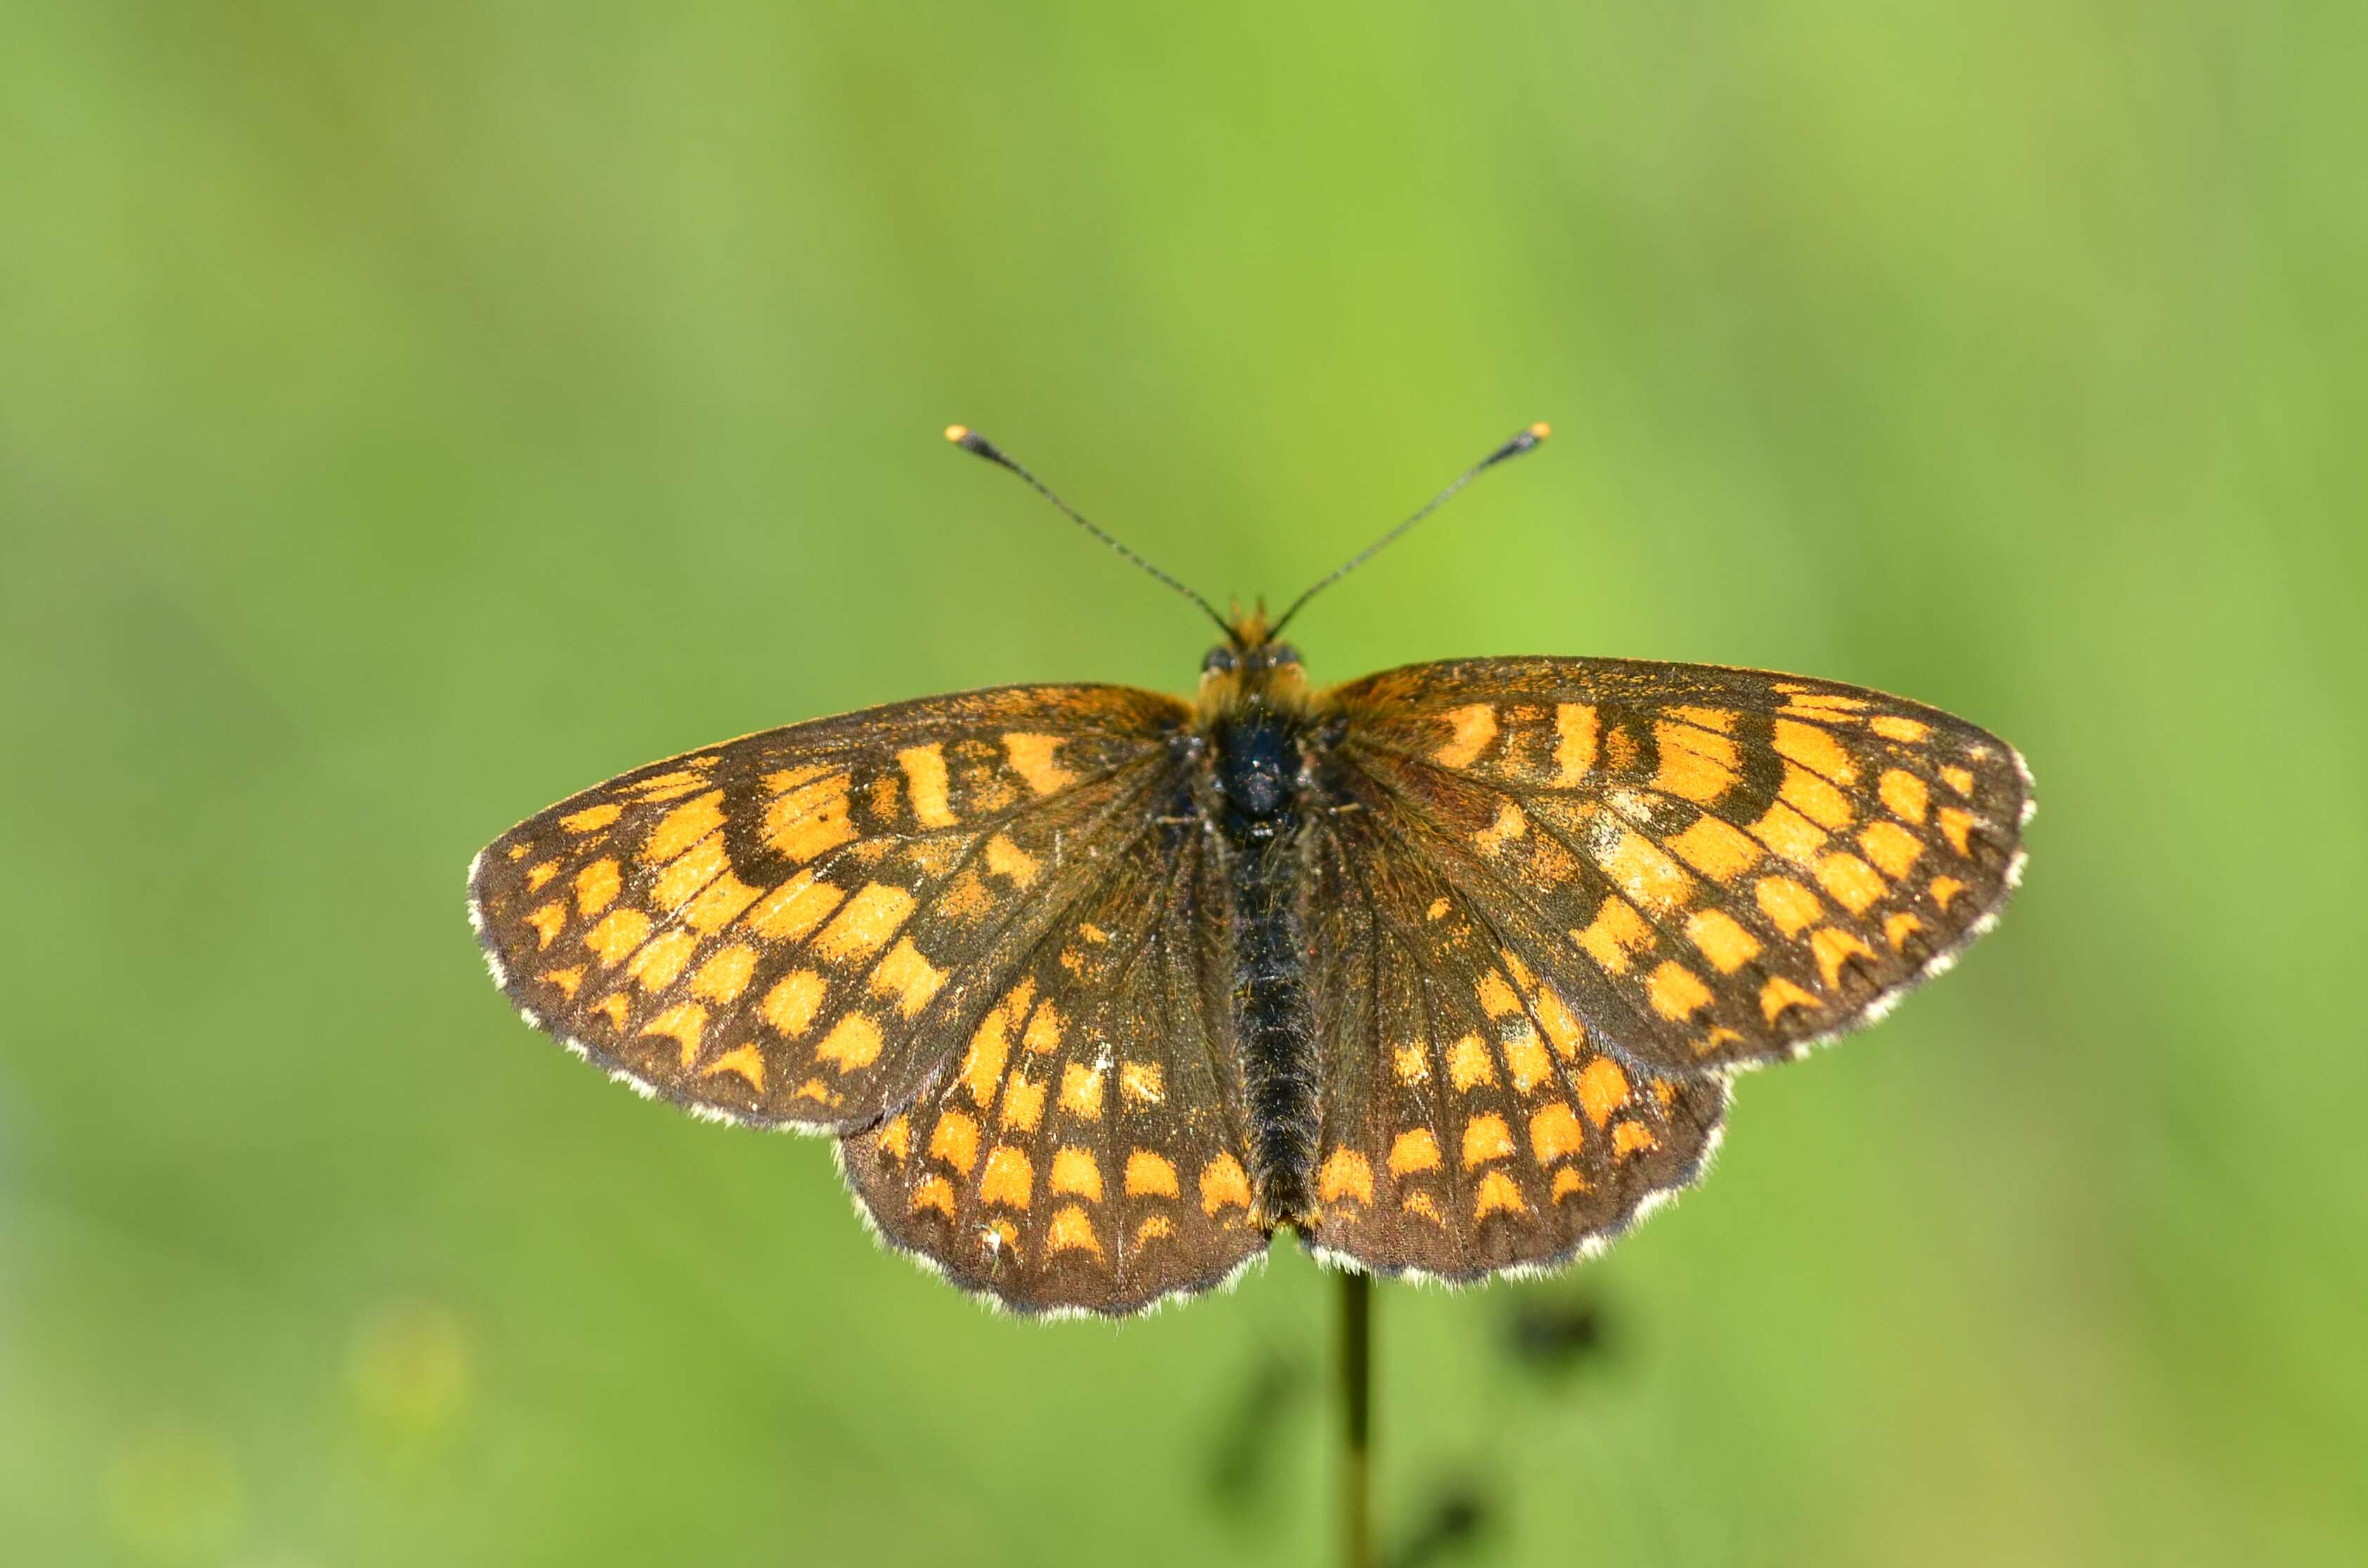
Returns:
(1717,867)
(1087,1150)
(1471,1124)
(803,926)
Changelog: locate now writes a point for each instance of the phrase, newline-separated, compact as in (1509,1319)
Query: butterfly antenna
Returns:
(970,440)
(1510,450)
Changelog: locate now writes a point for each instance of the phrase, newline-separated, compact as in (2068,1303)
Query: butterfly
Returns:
(1447,969)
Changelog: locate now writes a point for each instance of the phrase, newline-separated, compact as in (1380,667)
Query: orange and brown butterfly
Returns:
(1446,970)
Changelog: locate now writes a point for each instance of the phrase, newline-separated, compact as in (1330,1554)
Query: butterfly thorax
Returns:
(1258,721)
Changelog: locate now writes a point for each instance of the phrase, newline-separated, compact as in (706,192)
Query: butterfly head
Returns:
(1251,669)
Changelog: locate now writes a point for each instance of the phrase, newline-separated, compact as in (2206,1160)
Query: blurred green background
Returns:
(411,414)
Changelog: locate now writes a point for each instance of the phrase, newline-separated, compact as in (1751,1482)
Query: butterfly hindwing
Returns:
(1087,1150)
(800,927)
(1717,867)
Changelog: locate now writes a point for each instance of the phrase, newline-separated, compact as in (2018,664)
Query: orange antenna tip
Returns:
(1541,429)
(957,434)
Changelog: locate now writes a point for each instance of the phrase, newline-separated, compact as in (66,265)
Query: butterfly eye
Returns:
(1220,662)
(1282,654)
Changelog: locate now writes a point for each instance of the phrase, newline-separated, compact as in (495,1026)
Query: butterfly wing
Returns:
(1469,1122)
(801,927)
(1712,867)
(1088,1152)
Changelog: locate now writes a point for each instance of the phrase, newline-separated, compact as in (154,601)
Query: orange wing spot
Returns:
(896,1139)
(1081,1091)
(1645,874)
(789,779)
(1780,995)
(1829,706)
(1815,749)
(1567,1181)
(1575,736)
(1696,766)
(1525,1059)
(660,964)
(548,922)
(1474,726)
(999,1237)
(1904,795)
(1007,859)
(1144,1083)
(1945,889)
(591,819)
(990,1043)
(925,779)
(810,820)
(1958,778)
(1074,1173)
(1510,823)
(1717,850)
(1620,750)
(1497,1192)
(884,800)
(853,1043)
(822,1094)
(1497,998)
(1616,932)
(1891,846)
(1032,758)
(1814,798)
(1790,834)
(1346,1174)
(1469,1065)
(795,908)
(689,873)
(1150,1176)
(517,852)
(964,898)
(1898,928)
(1413,1151)
(567,980)
(1892,727)
(1439,907)
(1957,827)
(1044,1029)
(791,1006)
(1602,1089)
(907,977)
(1155,1228)
(1851,882)
(1717,718)
(537,875)
(1632,1138)
(863,927)
(936,1193)
(726,974)
(1224,1185)
(1726,944)
(744,1059)
(1676,992)
(719,905)
(682,1023)
(1486,1138)
(1555,1131)
(616,936)
(1566,1033)
(684,826)
(1411,1064)
(597,886)
(615,1009)
(1023,1103)
(1419,1203)
(1793,907)
(1010,1178)
(1833,948)
(954,1139)
(1071,1232)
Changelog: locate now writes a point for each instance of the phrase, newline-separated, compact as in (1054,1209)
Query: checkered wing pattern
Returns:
(1086,1153)
(1710,866)
(806,927)
(1471,1122)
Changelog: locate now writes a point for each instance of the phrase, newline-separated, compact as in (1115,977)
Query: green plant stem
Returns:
(1357,1420)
